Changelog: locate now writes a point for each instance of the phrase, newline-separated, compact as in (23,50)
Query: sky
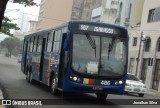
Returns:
(13,14)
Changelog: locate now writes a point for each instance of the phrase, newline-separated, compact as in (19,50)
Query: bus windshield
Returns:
(106,56)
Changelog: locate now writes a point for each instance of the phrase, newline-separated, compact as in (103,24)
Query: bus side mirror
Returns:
(65,45)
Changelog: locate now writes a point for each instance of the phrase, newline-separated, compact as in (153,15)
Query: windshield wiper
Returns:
(110,46)
(91,42)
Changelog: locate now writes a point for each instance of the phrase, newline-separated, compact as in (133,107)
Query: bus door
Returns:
(61,64)
(42,58)
(25,56)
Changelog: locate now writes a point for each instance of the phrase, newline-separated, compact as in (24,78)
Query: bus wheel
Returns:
(54,90)
(101,96)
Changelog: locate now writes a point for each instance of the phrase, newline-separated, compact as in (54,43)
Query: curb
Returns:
(153,93)
(1,97)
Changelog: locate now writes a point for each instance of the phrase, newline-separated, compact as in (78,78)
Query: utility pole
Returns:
(139,51)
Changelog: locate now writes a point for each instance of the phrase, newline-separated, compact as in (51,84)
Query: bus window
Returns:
(24,45)
(35,44)
(59,35)
(39,47)
(49,44)
(57,41)
(31,45)
(53,37)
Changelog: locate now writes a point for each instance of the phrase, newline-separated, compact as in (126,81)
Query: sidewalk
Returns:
(1,97)
(153,92)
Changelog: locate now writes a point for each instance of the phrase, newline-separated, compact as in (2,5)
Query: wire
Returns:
(41,17)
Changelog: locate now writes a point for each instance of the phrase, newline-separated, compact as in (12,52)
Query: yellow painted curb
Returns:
(1,106)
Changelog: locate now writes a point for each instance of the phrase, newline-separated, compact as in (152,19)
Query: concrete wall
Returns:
(137,8)
(53,12)
(151,30)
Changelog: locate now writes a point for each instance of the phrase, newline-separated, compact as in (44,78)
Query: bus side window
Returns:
(49,45)
(47,41)
(35,44)
(57,41)
(31,45)
(53,38)
(39,45)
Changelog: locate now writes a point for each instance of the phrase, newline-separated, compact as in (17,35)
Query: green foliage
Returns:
(26,2)
(7,25)
(12,44)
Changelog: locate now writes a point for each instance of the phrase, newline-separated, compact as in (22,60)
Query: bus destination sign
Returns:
(92,28)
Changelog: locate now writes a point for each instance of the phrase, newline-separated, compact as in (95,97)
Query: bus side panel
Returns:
(46,67)
(36,65)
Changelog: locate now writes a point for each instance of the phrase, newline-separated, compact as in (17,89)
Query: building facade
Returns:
(148,34)
(18,34)
(23,23)
(87,7)
(32,27)
(53,12)
(113,12)
(77,9)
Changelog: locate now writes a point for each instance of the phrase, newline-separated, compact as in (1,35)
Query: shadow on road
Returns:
(72,98)
(133,94)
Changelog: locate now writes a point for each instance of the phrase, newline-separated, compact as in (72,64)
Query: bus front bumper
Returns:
(71,86)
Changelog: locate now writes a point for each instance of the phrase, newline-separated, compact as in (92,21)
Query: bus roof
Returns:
(97,23)
(72,22)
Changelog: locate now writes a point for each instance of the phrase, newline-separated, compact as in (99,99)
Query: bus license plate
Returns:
(97,88)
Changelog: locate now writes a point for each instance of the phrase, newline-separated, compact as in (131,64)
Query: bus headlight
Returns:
(120,82)
(74,78)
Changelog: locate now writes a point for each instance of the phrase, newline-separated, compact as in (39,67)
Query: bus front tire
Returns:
(101,96)
(54,90)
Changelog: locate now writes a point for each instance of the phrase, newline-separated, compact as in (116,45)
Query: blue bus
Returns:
(78,57)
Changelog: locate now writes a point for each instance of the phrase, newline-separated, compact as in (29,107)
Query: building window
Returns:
(148,45)
(134,41)
(158,45)
(131,65)
(154,15)
(151,15)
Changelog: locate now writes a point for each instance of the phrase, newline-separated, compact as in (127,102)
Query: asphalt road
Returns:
(14,86)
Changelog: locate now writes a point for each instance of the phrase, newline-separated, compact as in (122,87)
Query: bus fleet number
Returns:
(104,82)
(84,27)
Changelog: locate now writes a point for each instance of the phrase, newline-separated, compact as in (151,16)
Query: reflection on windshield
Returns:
(111,61)
(132,77)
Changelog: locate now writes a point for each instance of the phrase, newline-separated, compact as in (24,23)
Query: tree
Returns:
(3,4)
(7,25)
(12,44)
